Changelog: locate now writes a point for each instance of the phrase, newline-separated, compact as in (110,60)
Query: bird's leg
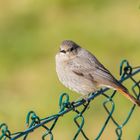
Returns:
(84,97)
(81,98)
(86,103)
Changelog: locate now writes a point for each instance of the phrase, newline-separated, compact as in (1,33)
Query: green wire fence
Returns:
(33,121)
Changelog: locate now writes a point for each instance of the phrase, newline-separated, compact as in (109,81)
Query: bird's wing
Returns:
(92,69)
(82,67)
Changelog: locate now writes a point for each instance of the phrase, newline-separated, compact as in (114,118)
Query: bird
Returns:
(80,71)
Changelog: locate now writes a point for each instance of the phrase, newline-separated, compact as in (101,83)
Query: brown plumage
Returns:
(80,71)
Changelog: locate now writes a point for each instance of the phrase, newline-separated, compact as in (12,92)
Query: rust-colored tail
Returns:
(125,92)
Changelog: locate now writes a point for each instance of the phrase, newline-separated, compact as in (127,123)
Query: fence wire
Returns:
(33,121)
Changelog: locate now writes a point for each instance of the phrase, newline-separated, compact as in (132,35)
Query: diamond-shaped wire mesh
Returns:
(33,121)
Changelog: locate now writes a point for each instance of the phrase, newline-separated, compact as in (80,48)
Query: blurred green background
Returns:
(30,34)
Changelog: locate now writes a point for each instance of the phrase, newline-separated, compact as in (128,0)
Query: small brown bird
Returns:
(80,71)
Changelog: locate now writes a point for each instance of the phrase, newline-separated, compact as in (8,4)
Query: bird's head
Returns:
(69,49)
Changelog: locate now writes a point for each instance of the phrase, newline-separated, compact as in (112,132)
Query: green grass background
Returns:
(30,34)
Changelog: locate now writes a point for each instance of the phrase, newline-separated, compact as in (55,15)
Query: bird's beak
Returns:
(62,51)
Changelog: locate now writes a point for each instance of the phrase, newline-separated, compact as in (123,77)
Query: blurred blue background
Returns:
(30,34)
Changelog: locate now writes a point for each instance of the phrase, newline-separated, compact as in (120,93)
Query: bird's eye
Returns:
(71,49)
(62,51)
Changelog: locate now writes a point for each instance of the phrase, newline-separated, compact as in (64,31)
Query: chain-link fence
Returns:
(33,121)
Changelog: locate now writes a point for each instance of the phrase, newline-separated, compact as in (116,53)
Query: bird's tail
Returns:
(126,93)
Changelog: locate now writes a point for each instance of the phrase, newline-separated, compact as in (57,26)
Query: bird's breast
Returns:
(73,81)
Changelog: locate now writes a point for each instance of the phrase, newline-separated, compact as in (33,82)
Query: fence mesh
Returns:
(33,121)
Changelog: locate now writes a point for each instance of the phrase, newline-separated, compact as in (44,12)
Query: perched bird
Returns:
(80,71)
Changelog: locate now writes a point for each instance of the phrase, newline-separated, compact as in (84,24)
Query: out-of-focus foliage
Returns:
(30,34)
